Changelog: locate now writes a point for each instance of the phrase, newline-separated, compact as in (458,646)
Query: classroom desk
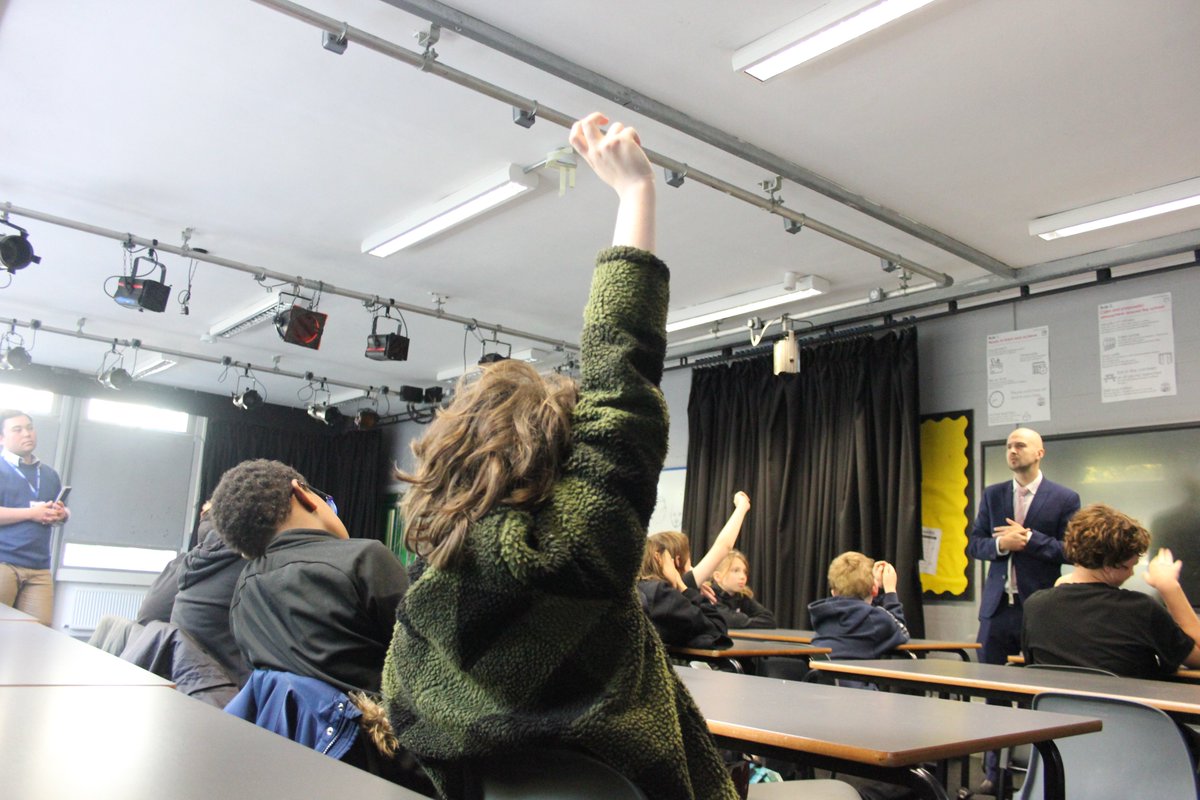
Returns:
(139,743)
(1019,685)
(1181,674)
(10,614)
(872,734)
(917,647)
(747,648)
(34,655)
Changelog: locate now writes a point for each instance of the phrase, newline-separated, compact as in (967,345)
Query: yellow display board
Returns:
(945,498)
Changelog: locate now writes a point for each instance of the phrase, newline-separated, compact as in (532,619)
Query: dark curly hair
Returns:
(251,502)
(1100,536)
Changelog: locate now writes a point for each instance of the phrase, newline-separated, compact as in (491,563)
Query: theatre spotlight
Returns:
(140,292)
(412,394)
(387,346)
(323,412)
(246,394)
(16,252)
(15,356)
(248,400)
(115,378)
(492,355)
(366,419)
(301,325)
(434,394)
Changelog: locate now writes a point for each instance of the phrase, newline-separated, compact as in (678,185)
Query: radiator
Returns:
(89,605)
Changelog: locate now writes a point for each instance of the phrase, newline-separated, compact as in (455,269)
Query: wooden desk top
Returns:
(804,637)
(34,655)
(1173,697)
(135,743)
(10,614)
(874,728)
(751,648)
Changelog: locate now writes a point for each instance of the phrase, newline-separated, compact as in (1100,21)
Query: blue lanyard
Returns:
(33,488)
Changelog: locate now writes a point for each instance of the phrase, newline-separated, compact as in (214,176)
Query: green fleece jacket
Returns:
(536,636)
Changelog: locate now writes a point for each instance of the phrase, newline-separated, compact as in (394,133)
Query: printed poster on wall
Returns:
(1137,349)
(1018,370)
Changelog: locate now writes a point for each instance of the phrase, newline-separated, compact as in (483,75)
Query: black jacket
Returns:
(741,611)
(682,619)
(855,628)
(320,607)
(207,578)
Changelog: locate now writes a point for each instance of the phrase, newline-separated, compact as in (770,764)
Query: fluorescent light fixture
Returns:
(745,303)
(828,26)
(258,312)
(459,207)
(153,367)
(1149,203)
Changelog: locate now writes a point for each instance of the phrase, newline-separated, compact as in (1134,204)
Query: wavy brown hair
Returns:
(1100,536)
(727,562)
(501,442)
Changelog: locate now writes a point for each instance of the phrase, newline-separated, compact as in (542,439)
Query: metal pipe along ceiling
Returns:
(428,64)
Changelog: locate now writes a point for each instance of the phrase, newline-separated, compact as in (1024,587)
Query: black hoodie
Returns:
(854,628)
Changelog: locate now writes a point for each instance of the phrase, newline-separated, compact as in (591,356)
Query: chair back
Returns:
(1140,752)
(1071,668)
(547,774)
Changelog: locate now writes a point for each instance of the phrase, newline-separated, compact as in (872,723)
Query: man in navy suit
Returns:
(1019,529)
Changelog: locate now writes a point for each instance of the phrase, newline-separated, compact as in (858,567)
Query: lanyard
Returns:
(32,487)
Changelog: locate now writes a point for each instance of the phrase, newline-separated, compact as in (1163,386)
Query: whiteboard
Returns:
(668,510)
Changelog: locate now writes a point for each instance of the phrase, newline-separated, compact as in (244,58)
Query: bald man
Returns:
(1019,529)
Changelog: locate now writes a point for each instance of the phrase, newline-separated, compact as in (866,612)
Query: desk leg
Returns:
(1053,781)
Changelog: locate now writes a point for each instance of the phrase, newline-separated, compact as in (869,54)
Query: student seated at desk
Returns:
(682,617)
(528,509)
(1087,620)
(849,622)
(735,600)
(312,601)
(681,548)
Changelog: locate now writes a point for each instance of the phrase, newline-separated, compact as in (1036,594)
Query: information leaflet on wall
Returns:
(1018,370)
(1137,349)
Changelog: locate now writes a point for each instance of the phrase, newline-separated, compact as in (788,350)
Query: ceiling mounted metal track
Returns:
(522,50)
(426,63)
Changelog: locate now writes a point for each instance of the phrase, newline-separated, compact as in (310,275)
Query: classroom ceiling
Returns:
(228,117)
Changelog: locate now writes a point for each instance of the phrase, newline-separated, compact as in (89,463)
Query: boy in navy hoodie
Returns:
(858,621)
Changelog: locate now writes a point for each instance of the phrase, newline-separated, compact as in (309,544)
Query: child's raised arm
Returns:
(726,539)
(616,156)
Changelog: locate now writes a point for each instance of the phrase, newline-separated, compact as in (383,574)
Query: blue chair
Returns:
(1141,752)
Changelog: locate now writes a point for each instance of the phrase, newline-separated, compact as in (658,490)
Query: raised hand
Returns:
(1163,570)
(617,157)
(741,501)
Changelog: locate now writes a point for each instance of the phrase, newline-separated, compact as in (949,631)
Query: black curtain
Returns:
(830,458)
(351,465)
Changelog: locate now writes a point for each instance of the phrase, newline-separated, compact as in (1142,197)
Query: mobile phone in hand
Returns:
(63,493)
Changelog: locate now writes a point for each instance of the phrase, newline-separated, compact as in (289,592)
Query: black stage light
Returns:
(491,358)
(248,400)
(323,412)
(16,252)
(144,294)
(366,419)
(412,394)
(386,346)
(300,325)
(434,394)
(115,378)
(15,358)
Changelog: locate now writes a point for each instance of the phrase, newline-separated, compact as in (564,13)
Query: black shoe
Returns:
(987,787)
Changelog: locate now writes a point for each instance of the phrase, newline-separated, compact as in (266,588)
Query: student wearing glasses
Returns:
(312,601)
(1087,620)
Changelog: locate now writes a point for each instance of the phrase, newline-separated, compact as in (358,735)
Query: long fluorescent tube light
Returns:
(258,312)
(1140,205)
(745,303)
(453,210)
(821,30)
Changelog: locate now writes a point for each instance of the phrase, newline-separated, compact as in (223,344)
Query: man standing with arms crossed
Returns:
(28,508)
(1019,529)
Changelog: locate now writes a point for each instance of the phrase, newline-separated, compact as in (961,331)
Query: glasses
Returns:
(328,498)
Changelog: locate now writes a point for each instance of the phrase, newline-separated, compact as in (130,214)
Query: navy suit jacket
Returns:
(1040,563)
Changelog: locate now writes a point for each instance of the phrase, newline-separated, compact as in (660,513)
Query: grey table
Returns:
(915,647)
(145,743)
(873,734)
(10,614)
(34,655)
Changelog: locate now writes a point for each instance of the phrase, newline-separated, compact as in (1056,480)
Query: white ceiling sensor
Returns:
(824,28)
(479,197)
(1140,205)
(747,302)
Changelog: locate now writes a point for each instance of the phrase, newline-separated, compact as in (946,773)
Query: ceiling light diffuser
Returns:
(1140,205)
(745,303)
(828,26)
(453,210)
